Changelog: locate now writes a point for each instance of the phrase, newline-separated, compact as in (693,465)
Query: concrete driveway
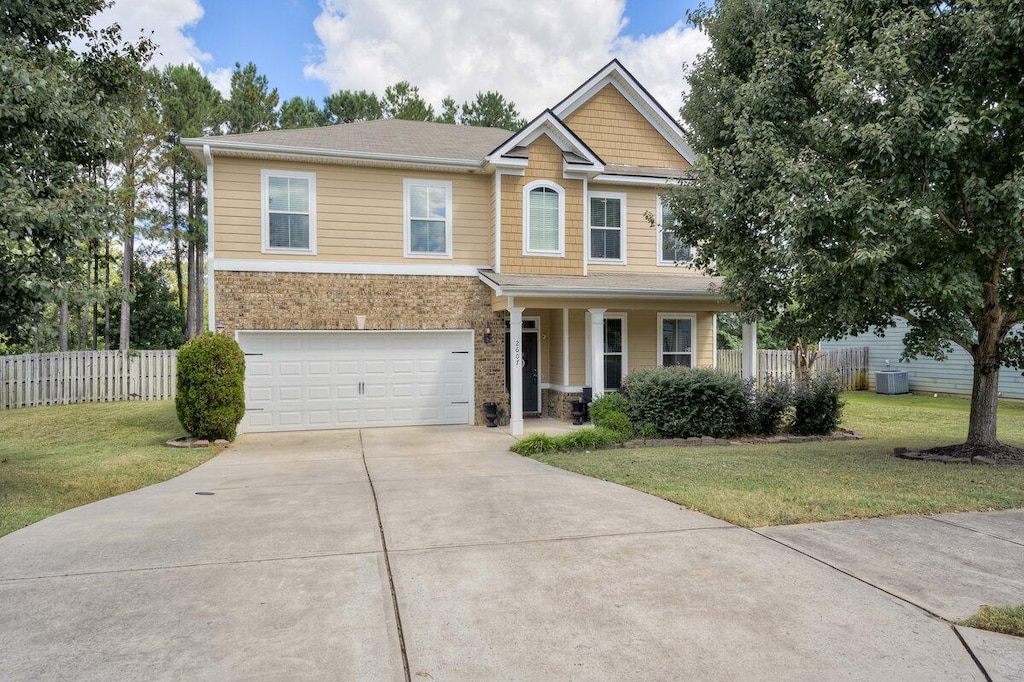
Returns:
(496,567)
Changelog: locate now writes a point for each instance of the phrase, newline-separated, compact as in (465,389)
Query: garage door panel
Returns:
(301,380)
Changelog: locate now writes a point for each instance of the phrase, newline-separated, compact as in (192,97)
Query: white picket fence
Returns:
(86,377)
(851,364)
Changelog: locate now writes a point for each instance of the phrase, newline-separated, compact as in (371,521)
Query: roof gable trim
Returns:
(547,123)
(616,75)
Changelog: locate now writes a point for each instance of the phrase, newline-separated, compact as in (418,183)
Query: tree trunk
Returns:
(95,302)
(63,333)
(189,308)
(126,282)
(200,318)
(106,297)
(984,401)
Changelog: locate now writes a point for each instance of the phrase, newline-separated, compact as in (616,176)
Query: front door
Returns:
(530,369)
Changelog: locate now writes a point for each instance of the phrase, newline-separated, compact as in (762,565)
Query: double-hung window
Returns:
(671,250)
(289,211)
(608,227)
(675,346)
(428,218)
(614,352)
(543,219)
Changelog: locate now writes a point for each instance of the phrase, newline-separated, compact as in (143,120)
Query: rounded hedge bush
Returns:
(211,386)
(679,402)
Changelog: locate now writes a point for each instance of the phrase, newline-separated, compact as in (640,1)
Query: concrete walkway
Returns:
(496,567)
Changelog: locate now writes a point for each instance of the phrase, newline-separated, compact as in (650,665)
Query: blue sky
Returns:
(534,51)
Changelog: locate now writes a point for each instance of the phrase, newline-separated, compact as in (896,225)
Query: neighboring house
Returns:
(954,375)
(389,272)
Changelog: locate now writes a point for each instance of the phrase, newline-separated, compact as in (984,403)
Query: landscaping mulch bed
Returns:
(965,453)
(740,440)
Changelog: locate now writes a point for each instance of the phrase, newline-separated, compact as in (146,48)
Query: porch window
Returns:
(543,219)
(289,211)
(670,249)
(607,227)
(676,344)
(614,352)
(428,218)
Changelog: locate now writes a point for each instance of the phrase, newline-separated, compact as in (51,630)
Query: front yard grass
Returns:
(56,458)
(779,484)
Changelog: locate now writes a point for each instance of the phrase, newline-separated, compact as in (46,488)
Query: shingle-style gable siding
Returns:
(618,133)
(545,164)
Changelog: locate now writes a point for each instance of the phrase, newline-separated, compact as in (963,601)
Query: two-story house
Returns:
(396,272)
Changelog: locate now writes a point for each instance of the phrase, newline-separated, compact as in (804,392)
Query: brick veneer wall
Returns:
(318,301)
(558,404)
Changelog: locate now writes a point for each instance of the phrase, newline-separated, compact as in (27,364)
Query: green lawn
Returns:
(764,485)
(56,458)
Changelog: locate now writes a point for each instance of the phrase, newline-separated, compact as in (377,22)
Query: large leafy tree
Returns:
(349,106)
(252,105)
(865,160)
(59,110)
(491,109)
(403,100)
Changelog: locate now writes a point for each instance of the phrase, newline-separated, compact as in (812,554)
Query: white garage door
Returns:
(337,380)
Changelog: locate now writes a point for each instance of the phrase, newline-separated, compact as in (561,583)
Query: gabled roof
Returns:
(383,139)
(616,75)
(575,151)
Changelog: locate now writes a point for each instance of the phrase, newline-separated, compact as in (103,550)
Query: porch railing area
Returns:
(851,364)
(86,377)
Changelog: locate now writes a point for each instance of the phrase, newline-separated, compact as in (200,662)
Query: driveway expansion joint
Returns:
(198,564)
(561,538)
(387,565)
(870,584)
(974,530)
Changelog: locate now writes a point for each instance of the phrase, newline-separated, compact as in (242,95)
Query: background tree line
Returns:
(103,232)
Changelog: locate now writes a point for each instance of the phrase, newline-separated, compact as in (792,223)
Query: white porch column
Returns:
(597,350)
(515,339)
(748,358)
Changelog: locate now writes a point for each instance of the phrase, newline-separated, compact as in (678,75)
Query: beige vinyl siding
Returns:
(613,128)
(545,164)
(642,239)
(359,213)
(642,331)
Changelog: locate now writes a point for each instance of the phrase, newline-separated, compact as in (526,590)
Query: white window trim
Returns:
(625,345)
(527,251)
(265,175)
(446,185)
(621,196)
(693,335)
(661,261)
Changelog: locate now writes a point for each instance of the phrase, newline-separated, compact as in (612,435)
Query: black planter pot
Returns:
(491,414)
(577,412)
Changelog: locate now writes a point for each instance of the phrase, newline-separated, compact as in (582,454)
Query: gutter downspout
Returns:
(212,322)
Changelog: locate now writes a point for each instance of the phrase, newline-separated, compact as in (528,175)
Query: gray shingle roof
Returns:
(386,136)
(684,285)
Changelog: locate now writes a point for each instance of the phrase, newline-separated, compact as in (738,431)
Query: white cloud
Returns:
(532,51)
(165,23)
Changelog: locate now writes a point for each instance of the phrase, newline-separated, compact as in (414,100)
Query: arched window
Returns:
(543,219)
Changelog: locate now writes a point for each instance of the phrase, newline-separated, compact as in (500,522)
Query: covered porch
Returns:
(567,333)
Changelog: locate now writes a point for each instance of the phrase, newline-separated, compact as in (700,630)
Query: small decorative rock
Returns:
(201,443)
(220,441)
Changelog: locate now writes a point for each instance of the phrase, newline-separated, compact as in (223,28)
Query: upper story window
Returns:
(608,227)
(289,211)
(670,249)
(543,219)
(428,218)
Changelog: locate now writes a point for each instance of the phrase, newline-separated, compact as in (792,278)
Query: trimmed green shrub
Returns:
(681,402)
(768,407)
(610,411)
(817,406)
(211,386)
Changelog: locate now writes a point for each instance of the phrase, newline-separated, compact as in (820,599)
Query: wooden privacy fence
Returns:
(86,377)
(851,364)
